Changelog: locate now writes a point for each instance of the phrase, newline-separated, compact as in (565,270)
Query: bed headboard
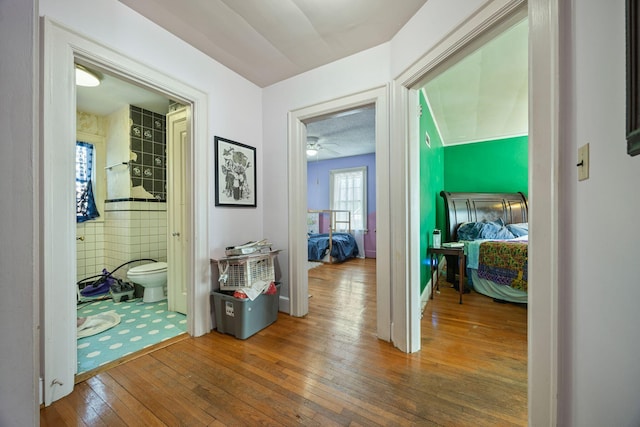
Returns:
(475,207)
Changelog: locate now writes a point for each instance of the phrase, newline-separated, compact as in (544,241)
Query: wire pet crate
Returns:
(243,271)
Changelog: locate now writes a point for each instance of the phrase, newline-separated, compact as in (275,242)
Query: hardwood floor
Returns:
(325,369)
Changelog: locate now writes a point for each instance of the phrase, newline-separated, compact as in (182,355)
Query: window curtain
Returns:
(348,192)
(85,203)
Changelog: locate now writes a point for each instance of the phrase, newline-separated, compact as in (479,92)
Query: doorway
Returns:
(341,202)
(138,168)
(341,173)
(299,305)
(61,49)
(543,133)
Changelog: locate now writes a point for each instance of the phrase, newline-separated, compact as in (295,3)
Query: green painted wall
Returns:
(431,184)
(491,166)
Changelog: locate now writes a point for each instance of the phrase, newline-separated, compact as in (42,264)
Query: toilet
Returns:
(153,278)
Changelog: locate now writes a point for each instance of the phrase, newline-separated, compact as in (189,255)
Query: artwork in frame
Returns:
(235,166)
(633,77)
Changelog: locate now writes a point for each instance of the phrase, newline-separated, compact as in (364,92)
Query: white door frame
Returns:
(178,125)
(544,125)
(60,47)
(297,167)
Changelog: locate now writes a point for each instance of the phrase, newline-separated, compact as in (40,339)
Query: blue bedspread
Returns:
(344,246)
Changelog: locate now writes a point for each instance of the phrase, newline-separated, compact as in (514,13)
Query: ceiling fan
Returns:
(314,146)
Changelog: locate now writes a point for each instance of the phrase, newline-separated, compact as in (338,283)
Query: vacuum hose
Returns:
(105,278)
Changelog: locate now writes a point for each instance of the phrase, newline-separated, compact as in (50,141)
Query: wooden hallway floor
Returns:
(326,369)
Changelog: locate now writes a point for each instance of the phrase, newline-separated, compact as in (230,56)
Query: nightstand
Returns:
(459,252)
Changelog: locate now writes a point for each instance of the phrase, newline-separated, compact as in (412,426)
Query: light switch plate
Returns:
(583,162)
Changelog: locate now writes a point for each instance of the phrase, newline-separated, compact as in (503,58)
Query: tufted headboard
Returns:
(475,207)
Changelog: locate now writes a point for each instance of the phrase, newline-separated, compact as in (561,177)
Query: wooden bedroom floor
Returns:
(327,369)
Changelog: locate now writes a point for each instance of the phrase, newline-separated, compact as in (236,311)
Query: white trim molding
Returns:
(543,185)
(544,154)
(61,47)
(297,168)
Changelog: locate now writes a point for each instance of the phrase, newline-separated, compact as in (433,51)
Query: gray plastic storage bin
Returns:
(243,317)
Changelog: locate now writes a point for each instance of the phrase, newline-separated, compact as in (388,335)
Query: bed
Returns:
(494,229)
(335,245)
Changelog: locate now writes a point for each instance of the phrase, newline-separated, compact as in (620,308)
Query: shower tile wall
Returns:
(148,145)
(89,249)
(134,230)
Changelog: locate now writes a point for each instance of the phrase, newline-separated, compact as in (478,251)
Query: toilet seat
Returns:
(152,267)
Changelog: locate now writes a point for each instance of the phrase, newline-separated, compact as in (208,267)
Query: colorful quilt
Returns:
(504,262)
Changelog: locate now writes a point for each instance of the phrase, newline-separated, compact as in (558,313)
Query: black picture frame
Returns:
(633,77)
(235,170)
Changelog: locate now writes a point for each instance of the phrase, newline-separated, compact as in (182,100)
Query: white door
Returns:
(178,141)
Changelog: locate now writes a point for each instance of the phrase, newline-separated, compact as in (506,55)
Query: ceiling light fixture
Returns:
(86,77)
(312,147)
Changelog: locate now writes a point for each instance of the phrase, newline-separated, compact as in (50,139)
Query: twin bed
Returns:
(494,229)
(334,246)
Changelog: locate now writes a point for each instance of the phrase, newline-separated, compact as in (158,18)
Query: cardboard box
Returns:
(242,317)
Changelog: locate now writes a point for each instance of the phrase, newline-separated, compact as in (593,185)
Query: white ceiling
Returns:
(349,133)
(114,93)
(482,97)
(267,41)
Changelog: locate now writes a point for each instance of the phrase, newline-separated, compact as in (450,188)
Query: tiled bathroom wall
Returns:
(148,145)
(89,249)
(129,228)
(134,230)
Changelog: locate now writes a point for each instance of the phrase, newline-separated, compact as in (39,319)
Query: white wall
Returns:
(598,369)
(357,73)
(599,294)
(363,71)
(432,23)
(19,366)
(235,110)
(118,150)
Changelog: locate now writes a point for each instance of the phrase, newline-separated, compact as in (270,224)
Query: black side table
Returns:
(462,264)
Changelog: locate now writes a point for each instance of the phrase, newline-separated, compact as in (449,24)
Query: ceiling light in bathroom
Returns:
(86,77)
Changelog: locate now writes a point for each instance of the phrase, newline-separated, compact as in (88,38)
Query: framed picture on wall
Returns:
(235,166)
(633,77)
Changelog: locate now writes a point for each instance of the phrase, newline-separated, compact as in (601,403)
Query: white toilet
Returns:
(153,278)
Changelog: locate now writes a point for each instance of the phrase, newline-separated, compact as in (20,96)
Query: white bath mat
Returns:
(97,323)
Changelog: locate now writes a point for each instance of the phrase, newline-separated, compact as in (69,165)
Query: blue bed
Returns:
(342,246)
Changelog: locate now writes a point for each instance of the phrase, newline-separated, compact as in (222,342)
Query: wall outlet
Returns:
(583,162)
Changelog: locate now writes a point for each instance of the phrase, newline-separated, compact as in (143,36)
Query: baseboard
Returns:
(283,305)
(426,294)
(424,298)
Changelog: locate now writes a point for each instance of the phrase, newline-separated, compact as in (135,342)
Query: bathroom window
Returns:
(85,203)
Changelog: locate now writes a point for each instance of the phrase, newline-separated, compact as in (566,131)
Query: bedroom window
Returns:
(348,191)
(85,204)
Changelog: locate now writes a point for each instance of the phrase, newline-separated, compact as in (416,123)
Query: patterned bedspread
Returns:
(504,262)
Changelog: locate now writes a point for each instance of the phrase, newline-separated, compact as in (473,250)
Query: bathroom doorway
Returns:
(138,137)
(61,48)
